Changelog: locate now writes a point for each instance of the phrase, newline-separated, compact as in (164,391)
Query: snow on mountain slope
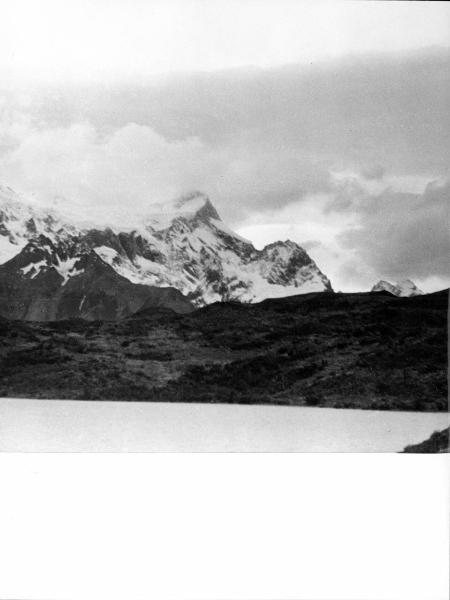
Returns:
(21,222)
(199,255)
(405,288)
(183,244)
(42,285)
(408,288)
(195,204)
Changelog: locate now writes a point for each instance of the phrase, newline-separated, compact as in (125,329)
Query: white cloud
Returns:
(120,173)
(112,177)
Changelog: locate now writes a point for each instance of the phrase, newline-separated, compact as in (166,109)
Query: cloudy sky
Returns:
(326,123)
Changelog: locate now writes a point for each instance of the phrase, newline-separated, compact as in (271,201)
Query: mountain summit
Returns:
(182,245)
(405,288)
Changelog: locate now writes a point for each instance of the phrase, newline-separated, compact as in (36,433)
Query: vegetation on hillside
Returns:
(342,350)
(436,443)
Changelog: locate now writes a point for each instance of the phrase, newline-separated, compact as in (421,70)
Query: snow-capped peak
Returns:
(182,244)
(22,221)
(408,288)
(405,288)
(195,205)
(192,202)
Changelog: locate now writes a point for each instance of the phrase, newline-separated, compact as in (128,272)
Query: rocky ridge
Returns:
(403,289)
(183,245)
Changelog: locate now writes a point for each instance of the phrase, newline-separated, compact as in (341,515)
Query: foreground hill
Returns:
(341,350)
(436,443)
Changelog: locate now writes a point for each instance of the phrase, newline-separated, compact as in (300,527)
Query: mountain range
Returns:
(181,308)
(182,256)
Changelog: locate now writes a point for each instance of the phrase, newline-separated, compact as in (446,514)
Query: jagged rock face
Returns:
(20,223)
(190,248)
(404,289)
(182,245)
(42,283)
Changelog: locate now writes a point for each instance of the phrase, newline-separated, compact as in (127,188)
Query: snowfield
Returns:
(183,244)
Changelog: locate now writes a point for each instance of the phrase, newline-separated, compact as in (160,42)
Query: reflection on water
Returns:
(63,425)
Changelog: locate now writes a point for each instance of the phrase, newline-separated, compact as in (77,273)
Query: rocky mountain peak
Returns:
(404,288)
(182,244)
(195,207)
(207,211)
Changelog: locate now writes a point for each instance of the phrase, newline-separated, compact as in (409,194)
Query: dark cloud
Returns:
(373,172)
(404,235)
(389,110)
(255,179)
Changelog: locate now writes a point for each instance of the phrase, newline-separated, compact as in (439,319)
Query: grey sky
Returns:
(335,149)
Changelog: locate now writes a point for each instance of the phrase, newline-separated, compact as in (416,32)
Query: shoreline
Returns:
(212,403)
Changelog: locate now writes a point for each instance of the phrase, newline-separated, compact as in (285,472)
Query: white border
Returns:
(224,526)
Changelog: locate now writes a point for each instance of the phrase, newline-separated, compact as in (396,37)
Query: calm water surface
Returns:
(65,425)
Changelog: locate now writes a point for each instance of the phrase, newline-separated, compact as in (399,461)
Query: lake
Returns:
(73,426)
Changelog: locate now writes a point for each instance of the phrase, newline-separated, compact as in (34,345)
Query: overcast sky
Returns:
(326,123)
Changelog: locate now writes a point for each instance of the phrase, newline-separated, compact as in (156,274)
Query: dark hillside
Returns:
(368,350)
(436,443)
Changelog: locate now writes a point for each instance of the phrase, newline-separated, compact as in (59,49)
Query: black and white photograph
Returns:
(224,280)
(224,226)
